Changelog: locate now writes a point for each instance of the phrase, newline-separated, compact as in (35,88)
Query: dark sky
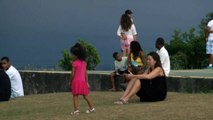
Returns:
(33,32)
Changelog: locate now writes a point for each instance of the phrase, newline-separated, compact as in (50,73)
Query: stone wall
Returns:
(190,84)
(37,82)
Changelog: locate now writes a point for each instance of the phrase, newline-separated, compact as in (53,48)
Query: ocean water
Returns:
(33,33)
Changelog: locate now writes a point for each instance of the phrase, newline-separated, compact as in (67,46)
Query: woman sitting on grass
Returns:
(150,86)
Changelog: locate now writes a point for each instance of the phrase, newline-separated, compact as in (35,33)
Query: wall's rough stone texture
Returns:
(47,82)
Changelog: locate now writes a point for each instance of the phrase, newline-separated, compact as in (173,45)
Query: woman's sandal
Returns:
(120,102)
(90,110)
(75,112)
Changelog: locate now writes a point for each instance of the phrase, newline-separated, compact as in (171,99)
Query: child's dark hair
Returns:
(5,58)
(79,51)
(125,22)
(115,54)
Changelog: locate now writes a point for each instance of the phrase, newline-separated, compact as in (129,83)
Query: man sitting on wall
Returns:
(15,78)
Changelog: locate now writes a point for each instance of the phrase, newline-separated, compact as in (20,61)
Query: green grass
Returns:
(57,106)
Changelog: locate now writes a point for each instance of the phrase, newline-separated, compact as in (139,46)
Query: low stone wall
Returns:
(190,84)
(37,82)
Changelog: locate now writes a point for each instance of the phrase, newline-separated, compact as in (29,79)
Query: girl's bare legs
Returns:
(123,53)
(129,87)
(112,75)
(211,59)
(75,102)
(134,89)
(127,52)
(88,101)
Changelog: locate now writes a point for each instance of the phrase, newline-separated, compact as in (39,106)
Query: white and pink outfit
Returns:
(125,44)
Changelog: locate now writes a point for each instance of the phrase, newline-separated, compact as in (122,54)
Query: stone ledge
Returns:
(37,82)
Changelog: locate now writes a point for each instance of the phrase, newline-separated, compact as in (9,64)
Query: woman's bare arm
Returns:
(155,73)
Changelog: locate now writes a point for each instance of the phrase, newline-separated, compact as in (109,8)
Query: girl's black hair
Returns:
(135,49)
(79,51)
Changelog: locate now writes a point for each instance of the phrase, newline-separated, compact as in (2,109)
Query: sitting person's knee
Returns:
(112,74)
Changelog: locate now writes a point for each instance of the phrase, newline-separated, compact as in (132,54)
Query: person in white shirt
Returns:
(120,68)
(127,33)
(209,41)
(15,78)
(164,55)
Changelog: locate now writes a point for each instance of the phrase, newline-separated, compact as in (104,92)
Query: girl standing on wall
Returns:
(79,79)
(127,33)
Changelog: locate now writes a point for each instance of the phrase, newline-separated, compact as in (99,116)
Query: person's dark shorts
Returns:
(122,72)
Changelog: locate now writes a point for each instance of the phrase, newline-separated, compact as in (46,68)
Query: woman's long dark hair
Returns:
(135,49)
(125,22)
(156,57)
(79,51)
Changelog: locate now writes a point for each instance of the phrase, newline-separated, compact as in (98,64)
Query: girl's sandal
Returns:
(75,112)
(120,102)
(90,110)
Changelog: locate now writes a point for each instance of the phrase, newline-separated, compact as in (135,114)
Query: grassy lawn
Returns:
(57,106)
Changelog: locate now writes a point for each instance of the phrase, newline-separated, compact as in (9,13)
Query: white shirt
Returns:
(210,24)
(131,31)
(16,81)
(165,61)
(121,65)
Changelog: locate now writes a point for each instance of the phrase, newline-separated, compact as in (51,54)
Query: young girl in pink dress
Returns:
(79,81)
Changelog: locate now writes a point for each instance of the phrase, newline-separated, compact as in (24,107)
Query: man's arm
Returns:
(207,33)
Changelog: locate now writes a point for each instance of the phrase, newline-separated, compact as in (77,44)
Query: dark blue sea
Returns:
(34,32)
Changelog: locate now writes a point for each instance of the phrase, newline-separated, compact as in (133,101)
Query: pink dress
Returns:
(125,44)
(79,84)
